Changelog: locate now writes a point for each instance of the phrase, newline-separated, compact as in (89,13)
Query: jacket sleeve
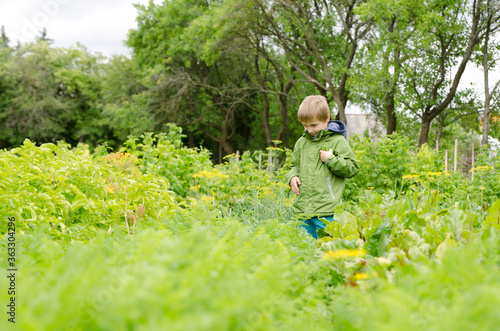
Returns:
(343,162)
(295,166)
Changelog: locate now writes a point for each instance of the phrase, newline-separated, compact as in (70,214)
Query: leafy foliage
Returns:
(382,163)
(107,243)
(66,188)
(164,156)
(205,279)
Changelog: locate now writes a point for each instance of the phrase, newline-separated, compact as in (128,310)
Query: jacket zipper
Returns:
(330,187)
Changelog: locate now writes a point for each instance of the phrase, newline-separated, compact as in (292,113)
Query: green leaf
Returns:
(344,226)
(493,217)
(376,245)
(337,278)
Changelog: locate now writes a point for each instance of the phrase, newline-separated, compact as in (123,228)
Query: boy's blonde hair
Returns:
(314,107)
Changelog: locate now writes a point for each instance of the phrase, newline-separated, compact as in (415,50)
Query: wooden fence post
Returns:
(456,152)
(472,161)
(237,156)
(446,160)
(270,162)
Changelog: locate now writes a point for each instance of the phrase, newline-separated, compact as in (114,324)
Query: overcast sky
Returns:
(101,26)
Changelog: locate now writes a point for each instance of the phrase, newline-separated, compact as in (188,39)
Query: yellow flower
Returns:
(433,173)
(481,168)
(360,276)
(110,189)
(210,174)
(411,176)
(482,188)
(343,254)
(207,199)
(122,161)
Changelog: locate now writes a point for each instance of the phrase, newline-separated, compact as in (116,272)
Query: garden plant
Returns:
(157,237)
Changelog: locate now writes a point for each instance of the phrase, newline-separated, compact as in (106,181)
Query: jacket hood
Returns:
(336,126)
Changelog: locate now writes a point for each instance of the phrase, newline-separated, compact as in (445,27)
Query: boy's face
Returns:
(315,125)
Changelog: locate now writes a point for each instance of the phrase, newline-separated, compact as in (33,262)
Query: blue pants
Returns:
(312,225)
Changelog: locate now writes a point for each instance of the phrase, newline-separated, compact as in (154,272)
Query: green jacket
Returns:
(323,183)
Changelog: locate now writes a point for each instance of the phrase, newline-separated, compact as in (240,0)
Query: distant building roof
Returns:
(359,123)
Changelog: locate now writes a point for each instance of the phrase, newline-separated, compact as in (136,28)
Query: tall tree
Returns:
(377,80)
(196,86)
(447,33)
(5,40)
(320,40)
(78,77)
(43,36)
(50,94)
(125,100)
(272,77)
(490,47)
(34,111)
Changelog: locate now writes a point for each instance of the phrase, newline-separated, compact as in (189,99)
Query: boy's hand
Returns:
(294,183)
(325,154)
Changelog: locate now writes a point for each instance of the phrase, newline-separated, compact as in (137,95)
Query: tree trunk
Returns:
(283,133)
(424,130)
(341,102)
(265,114)
(389,84)
(438,136)
(190,138)
(224,139)
(266,126)
(391,113)
(486,117)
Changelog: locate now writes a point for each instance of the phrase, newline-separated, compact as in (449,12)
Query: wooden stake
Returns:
(260,161)
(446,160)
(269,162)
(456,152)
(237,156)
(472,161)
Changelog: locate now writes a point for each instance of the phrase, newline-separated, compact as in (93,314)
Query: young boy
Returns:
(322,159)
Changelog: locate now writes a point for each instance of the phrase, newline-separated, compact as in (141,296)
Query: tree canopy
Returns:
(232,73)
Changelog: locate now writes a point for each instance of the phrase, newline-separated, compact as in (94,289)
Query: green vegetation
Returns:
(232,73)
(141,239)
(124,222)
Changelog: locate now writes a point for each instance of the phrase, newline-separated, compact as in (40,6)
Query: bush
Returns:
(163,155)
(76,193)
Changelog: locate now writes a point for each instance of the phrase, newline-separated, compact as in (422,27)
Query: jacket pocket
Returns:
(330,187)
